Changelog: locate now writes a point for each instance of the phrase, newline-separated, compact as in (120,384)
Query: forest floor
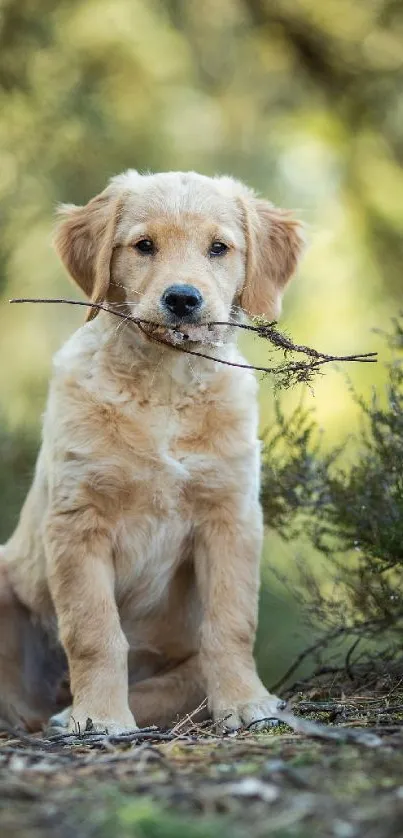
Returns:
(342,776)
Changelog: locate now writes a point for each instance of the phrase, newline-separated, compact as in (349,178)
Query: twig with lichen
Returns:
(287,373)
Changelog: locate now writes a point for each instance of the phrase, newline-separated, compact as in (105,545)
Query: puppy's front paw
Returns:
(82,722)
(260,713)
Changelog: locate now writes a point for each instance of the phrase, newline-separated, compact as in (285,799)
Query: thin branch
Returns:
(323,643)
(292,372)
(309,650)
(349,655)
(316,730)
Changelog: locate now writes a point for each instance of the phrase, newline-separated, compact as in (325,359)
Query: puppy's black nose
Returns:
(183,301)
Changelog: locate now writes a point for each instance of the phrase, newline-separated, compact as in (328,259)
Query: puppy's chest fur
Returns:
(163,445)
(151,458)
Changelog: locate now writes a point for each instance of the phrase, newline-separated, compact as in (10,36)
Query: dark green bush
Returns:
(352,514)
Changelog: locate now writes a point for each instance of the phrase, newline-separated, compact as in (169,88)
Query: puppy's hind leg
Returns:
(59,722)
(29,669)
(165,698)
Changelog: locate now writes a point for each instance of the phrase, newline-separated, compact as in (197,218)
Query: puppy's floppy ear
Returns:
(84,241)
(274,244)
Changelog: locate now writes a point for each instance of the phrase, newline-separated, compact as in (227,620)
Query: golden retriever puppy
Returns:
(135,563)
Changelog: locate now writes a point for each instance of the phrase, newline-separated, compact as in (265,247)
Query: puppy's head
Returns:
(180,249)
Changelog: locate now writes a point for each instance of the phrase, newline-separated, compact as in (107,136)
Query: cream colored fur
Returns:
(137,550)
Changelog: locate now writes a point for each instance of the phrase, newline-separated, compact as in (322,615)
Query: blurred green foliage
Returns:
(303,100)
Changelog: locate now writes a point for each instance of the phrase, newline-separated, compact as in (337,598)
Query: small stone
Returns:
(343,829)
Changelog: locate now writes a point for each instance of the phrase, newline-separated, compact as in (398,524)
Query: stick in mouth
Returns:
(286,373)
(205,333)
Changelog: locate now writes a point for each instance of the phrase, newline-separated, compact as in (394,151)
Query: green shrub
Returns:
(352,514)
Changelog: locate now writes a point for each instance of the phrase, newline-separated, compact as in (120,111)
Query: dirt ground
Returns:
(342,776)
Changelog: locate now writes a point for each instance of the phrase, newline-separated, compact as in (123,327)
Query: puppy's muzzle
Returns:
(182,303)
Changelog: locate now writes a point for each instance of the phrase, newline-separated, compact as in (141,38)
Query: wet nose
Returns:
(182,300)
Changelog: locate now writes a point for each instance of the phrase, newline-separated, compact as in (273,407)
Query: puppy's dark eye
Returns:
(218,249)
(146,246)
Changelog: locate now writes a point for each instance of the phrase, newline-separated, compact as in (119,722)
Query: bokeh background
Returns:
(302,99)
